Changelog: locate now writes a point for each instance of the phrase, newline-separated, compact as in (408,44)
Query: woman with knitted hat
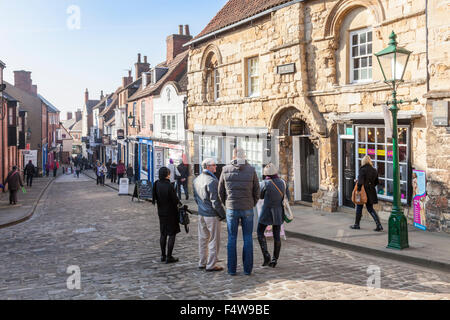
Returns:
(273,192)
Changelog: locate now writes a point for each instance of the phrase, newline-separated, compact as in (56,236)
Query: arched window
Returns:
(212,79)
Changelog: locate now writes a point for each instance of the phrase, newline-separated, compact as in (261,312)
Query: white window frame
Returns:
(404,164)
(142,115)
(216,84)
(254,148)
(169,122)
(253,77)
(210,144)
(368,56)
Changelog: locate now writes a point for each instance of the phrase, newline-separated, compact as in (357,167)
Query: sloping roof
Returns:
(77,126)
(169,76)
(2,64)
(48,104)
(8,97)
(28,101)
(103,101)
(237,10)
(113,104)
(69,123)
(91,104)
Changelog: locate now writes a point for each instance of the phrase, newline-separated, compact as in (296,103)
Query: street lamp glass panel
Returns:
(393,65)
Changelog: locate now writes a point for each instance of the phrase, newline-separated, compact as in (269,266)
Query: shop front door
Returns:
(309,162)
(348,172)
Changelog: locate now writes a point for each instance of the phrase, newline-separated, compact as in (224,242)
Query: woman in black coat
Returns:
(166,198)
(368,176)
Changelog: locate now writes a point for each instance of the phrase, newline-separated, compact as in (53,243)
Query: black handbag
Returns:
(184,217)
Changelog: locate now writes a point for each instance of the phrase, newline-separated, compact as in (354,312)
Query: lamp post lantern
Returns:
(132,120)
(393,61)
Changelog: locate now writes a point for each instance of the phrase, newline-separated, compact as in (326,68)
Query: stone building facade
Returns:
(298,81)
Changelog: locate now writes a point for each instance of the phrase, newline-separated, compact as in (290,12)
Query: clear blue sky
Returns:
(35,37)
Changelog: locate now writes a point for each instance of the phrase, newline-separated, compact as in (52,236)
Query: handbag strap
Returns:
(277,188)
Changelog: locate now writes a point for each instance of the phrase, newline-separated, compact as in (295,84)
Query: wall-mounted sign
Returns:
(120,134)
(296,127)
(441,110)
(106,140)
(286,69)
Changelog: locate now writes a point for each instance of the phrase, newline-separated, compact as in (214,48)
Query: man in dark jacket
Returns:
(182,180)
(29,172)
(210,212)
(239,191)
(368,177)
(15,183)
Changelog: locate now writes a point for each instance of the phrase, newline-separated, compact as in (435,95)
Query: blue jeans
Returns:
(246,218)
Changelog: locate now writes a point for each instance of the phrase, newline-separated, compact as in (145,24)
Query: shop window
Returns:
(142,115)
(361,56)
(254,148)
(144,157)
(209,148)
(372,141)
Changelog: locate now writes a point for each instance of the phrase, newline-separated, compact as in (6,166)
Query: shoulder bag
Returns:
(288,216)
(359,198)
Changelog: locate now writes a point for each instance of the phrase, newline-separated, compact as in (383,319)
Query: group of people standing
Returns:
(113,171)
(239,190)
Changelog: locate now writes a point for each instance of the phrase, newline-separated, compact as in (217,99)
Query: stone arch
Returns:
(342,8)
(314,120)
(211,49)
(211,58)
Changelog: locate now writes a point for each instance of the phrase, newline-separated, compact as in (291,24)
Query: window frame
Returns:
(369,57)
(216,84)
(142,115)
(405,164)
(253,77)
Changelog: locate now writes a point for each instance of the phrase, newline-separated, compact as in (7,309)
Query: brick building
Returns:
(295,83)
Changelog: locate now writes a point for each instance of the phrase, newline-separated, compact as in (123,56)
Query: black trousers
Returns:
(29,180)
(13,196)
(113,176)
(276,232)
(54,172)
(120,177)
(185,187)
(170,245)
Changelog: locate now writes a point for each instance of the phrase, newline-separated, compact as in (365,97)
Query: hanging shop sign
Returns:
(120,134)
(419,183)
(159,161)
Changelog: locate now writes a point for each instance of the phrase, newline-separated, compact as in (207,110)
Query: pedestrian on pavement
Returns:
(97,170)
(173,173)
(78,169)
(182,179)
(47,169)
(130,173)
(273,192)
(108,166)
(55,168)
(211,212)
(29,171)
(120,171)
(165,197)
(15,183)
(113,171)
(368,177)
(239,191)
(103,172)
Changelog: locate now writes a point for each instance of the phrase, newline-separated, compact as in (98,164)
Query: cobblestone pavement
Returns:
(116,245)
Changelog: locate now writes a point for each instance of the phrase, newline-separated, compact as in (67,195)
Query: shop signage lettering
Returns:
(419,194)
(372,152)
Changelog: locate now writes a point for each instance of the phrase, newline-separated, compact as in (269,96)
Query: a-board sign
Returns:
(123,186)
(143,190)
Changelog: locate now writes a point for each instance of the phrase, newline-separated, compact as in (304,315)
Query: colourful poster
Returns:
(419,194)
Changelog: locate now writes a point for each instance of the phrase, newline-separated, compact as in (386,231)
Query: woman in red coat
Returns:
(120,171)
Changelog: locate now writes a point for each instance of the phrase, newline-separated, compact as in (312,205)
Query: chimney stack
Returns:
(69,115)
(127,80)
(101,95)
(175,43)
(78,115)
(22,80)
(180,29)
(34,89)
(86,96)
(186,30)
(141,67)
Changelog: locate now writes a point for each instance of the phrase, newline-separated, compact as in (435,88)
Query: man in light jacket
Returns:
(239,191)
(210,213)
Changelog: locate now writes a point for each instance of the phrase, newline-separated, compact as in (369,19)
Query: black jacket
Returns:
(165,197)
(368,176)
(184,172)
(29,169)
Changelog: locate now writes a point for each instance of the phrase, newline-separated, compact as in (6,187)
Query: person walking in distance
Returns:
(113,170)
(120,171)
(182,179)
(29,172)
(239,191)
(103,173)
(15,183)
(130,173)
(273,192)
(47,169)
(78,169)
(97,170)
(368,177)
(55,168)
(165,197)
(210,212)
(173,173)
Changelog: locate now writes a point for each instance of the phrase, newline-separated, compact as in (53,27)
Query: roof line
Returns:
(239,23)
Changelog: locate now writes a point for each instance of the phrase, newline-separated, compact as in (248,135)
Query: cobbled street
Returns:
(116,245)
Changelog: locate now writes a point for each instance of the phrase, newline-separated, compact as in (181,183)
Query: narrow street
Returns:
(115,243)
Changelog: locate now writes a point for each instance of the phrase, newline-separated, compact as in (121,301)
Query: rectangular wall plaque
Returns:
(286,69)
(440,113)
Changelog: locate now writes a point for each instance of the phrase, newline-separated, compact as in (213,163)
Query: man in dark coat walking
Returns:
(15,183)
(368,177)
(182,180)
(29,172)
